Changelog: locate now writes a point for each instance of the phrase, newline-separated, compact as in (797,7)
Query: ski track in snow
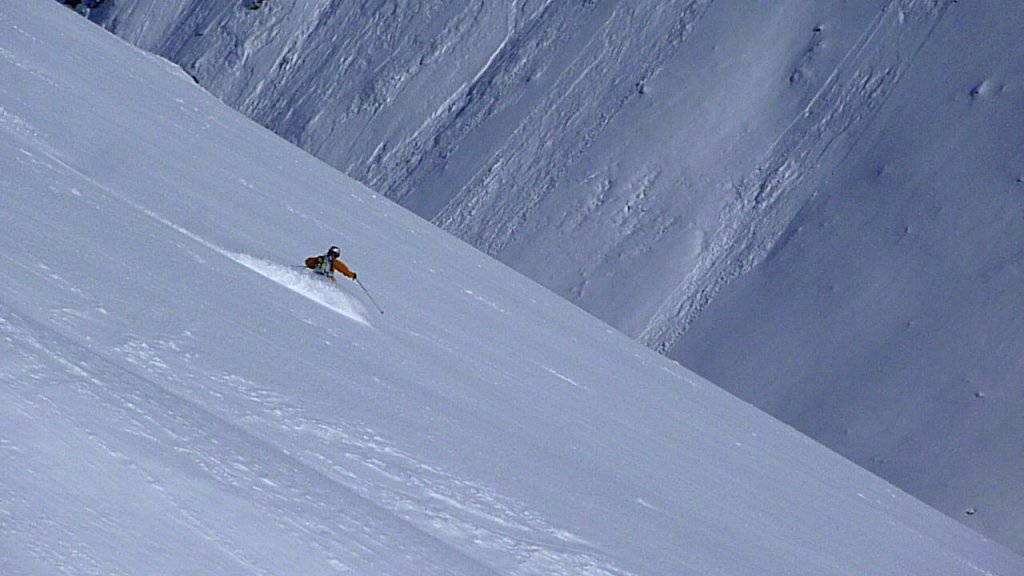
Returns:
(153,392)
(313,288)
(316,288)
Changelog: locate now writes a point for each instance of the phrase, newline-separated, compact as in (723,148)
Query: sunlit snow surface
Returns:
(175,400)
(816,204)
(316,288)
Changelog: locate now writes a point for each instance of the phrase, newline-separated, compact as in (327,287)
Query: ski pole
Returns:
(370,296)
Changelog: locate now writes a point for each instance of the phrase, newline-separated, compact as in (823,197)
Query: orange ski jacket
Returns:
(313,262)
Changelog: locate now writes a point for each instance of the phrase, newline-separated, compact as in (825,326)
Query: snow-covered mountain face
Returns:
(617,152)
(889,322)
(637,157)
(176,398)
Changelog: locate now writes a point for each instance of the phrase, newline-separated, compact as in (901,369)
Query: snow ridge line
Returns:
(768,199)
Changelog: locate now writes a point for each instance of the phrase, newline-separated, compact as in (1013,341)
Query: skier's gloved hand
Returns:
(354,275)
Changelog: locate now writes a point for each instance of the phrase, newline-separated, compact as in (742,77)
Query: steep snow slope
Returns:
(175,399)
(636,157)
(537,130)
(889,324)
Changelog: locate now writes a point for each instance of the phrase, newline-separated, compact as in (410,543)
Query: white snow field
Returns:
(637,156)
(176,399)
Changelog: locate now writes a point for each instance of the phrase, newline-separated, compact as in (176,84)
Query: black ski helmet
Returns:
(334,252)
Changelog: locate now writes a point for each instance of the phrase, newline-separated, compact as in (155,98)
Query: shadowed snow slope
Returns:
(174,400)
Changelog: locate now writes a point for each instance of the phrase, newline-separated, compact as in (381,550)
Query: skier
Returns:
(328,264)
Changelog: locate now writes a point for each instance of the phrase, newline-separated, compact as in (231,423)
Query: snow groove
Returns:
(579,106)
(526,55)
(764,204)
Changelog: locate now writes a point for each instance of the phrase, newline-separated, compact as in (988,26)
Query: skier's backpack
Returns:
(321,265)
(325,266)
